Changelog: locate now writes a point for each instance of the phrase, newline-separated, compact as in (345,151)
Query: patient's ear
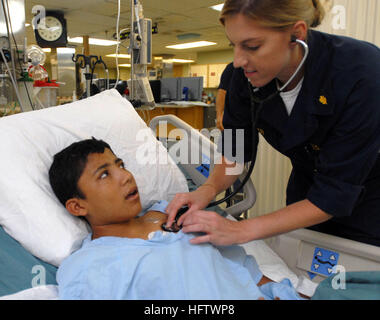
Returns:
(76,207)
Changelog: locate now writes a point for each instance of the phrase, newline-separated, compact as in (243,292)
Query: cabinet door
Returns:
(200,70)
(214,73)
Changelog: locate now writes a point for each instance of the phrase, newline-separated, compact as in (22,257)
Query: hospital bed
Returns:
(304,251)
(36,232)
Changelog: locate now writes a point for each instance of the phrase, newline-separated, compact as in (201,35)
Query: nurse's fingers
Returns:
(196,217)
(219,230)
(201,239)
(178,201)
(201,216)
(198,227)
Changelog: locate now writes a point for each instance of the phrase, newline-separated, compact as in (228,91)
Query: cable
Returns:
(100,60)
(302,63)
(8,20)
(255,116)
(12,79)
(18,56)
(138,18)
(117,45)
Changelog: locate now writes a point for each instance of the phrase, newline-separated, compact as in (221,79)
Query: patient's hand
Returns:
(265,280)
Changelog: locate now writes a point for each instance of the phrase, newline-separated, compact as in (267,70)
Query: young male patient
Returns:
(127,255)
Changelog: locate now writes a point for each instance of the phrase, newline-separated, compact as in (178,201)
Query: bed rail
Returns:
(197,154)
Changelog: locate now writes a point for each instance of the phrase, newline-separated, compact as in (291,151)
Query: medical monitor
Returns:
(170,90)
(194,85)
(155,85)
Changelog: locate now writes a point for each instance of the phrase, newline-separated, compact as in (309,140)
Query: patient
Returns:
(126,256)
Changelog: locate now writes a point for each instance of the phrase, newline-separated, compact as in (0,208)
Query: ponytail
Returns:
(319,14)
(276,13)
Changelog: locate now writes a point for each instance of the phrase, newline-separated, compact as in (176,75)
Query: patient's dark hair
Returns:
(68,166)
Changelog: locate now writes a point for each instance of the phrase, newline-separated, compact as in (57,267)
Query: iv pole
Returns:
(141,55)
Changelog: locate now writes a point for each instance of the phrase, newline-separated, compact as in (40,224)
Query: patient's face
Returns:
(110,190)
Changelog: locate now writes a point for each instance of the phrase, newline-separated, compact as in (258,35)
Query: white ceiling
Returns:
(97,19)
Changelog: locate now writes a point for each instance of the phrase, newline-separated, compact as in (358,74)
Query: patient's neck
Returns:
(125,229)
(138,227)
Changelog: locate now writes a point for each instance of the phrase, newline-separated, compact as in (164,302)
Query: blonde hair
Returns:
(276,13)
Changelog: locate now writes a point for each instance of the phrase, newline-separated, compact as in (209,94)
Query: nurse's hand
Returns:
(196,200)
(218,230)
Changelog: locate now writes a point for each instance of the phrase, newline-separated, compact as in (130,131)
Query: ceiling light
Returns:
(125,65)
(218,7)
(178,61)
(191,45)
(120,55)
(47,50)
(94,41)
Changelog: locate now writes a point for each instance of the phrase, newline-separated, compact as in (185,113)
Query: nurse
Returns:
(326,120)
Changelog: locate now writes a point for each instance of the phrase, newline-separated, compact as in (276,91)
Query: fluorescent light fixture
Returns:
(189,45)
(120,55)
(218,7)
(94,41)
(127,65)
(177,61)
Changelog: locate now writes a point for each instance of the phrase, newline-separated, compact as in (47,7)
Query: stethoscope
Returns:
(257,104)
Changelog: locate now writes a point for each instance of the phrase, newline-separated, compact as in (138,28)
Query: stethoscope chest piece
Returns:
(175,227)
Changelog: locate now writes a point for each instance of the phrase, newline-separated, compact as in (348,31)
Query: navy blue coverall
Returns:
(332,135)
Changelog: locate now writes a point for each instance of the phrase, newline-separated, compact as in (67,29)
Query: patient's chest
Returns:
(151,221)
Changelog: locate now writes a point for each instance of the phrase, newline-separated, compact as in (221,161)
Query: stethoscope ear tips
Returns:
(293,38)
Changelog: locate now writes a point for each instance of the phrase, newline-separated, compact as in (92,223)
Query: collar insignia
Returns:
(323,100)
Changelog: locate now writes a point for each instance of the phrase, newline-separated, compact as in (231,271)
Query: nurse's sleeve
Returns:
(350,152)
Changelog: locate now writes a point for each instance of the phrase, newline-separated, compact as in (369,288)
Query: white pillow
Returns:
(29,210)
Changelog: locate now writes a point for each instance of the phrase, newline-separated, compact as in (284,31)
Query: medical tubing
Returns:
(254,119)
(108,79)
(100,60)
(8,24)
(118,43)
(138,18)
(12,79)
(255,116)
(306,53)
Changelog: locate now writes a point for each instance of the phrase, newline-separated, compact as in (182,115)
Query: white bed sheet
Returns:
(273,267)
(43,292)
